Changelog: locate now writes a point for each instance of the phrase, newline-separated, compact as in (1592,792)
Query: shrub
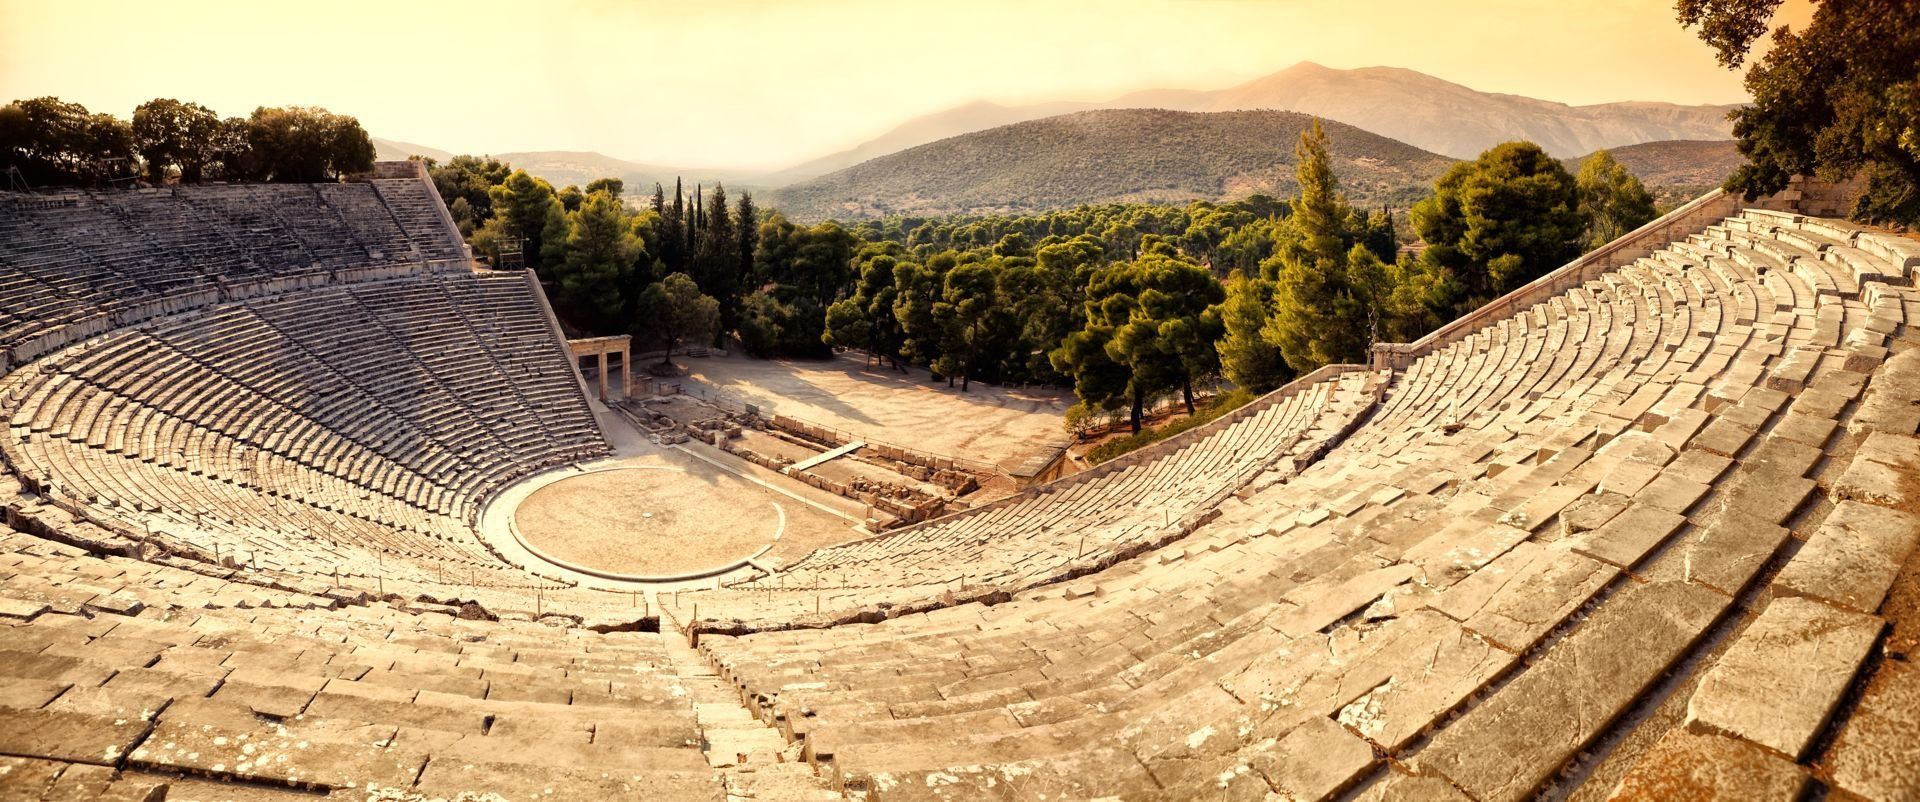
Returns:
(1218,406)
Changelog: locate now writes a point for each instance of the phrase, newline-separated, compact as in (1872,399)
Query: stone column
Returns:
(626,372)
(603,375)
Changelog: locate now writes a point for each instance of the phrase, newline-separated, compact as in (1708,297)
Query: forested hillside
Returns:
(1125,155)
(1677,170)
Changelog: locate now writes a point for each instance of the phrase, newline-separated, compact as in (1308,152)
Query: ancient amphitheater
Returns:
(1640,530)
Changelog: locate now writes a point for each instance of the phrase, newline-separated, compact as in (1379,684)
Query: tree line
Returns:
(1130,303)
(1126,303)
(1838,100)
(638,268)
(56,143)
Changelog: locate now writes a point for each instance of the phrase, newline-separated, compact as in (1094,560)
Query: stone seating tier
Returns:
(351,432)
(1486,583)
(1639,537)
(78,255)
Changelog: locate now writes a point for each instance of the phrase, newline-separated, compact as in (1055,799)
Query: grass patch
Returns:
(1220,405)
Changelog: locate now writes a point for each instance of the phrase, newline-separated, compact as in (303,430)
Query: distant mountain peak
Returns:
(1109,155)
(1405,104)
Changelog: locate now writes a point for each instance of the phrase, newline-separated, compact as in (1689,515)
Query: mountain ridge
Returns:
(1396,102)
(1110,155)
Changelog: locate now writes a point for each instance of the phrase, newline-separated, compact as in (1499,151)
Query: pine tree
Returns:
(1317,319)
(1502,220)
(1247,357)
(1612,198)
(1318,213)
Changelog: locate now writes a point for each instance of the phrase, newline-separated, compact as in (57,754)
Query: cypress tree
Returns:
(723,268)
(746,222)
(674,251)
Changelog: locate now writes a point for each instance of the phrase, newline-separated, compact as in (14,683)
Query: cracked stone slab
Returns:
(74,737)
(1852,559)
(1628,537)
(1881,471)
(1459,549)
(1534,593)
(1427,676)
(1394,786)
(1726,551)
(451,779)
(1517,739)
(1320,607)
(1317,760)
(1777,684)
(1768,496)
(221,739)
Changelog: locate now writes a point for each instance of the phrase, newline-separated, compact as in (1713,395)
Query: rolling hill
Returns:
(1403,104)
(1678,169)
(563,167)
(1111,155)
(393,150)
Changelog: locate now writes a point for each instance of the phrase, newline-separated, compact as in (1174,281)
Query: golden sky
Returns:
(736,83)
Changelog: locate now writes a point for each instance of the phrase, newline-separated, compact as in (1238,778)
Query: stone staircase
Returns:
(756,762)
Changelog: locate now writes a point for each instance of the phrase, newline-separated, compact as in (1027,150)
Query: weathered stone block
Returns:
(1777,684)
(1852,559)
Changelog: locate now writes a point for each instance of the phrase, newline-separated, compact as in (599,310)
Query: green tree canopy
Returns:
(470,179)
(1838,100)
(175,138)
(57,143)
(1317,317)
(965,315)
(676,312)
(1613,200)
(1247,357)
(865,318)
(598,258)
(297,143)
(611,186)
(1502,220)
(524,208)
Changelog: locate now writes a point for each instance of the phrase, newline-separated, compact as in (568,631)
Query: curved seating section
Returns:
(1083,523)
(306,381)
(1639,538)
(1490,583)
(73,257)
(135,676)
(323,431)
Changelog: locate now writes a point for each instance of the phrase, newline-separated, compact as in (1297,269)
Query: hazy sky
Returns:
(733,83)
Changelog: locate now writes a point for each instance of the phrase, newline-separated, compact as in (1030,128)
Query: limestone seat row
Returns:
(158,679)
(325,430)
(1537,526)
(1067,527)
(76,255)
